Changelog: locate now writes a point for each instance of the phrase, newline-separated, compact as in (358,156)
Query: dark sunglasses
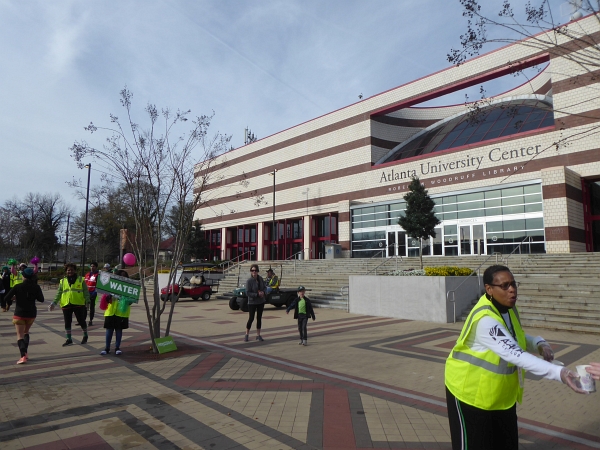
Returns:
(253,270)
(505,286)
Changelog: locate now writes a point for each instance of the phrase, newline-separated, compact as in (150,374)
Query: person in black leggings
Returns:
(255,290)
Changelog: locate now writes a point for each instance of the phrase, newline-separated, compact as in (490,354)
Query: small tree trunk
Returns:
(421,252)
(149,317)
(171,310)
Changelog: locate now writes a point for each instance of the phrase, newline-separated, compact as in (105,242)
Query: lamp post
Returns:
(274,246)
(87,202)
(306,193)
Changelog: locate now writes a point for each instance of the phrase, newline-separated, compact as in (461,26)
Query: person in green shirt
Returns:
(302,310)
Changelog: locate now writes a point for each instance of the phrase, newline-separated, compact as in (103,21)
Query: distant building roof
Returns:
(167,244)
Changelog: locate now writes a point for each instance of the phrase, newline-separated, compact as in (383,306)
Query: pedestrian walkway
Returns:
(362,382)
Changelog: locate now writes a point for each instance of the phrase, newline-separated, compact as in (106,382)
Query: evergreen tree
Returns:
(196,244)
(419,220)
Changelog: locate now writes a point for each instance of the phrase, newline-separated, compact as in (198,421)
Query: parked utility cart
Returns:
(197,281)
(279,297)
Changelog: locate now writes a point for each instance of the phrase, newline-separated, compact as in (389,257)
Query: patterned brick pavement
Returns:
(363,382)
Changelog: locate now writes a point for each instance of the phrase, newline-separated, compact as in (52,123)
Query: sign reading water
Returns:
(109,283)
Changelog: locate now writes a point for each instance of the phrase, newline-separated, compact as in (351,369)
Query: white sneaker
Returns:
(301,342)
(305,343)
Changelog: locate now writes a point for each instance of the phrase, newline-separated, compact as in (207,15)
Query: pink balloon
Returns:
(129,259)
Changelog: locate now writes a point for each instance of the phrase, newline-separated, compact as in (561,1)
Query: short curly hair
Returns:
(490,272)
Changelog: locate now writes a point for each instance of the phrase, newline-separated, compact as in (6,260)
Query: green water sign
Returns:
(109,283)
(165,344)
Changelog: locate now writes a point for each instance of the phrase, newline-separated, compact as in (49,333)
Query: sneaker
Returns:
(245,338)
(26,357)
(118,352)
(105,352)
(4,309)
(84,340)
(259,338)
(90,323)
(68,342)
(305,343)
(301,342)
(22,360)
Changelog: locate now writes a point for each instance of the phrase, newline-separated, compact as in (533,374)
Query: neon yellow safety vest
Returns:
(72,294)
(15,279)
(114,310)
(481,378)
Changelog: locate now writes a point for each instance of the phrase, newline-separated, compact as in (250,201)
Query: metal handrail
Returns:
(476,271)
(231,262)
(518,247)
(384,262)
(345,292)
(296,259)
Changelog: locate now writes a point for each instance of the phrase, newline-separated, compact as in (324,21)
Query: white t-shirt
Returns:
(496,337)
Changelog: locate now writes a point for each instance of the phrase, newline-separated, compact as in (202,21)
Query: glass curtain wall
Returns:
(495,220)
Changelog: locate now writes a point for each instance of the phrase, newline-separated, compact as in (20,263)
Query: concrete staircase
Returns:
(326,280)
(559,292)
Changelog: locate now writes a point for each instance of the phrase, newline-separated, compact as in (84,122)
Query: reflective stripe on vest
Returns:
(72,294)
(481,378)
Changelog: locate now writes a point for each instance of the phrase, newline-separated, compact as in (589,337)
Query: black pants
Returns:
(302,322)
(92,305)
(258,310)
(80,315)
(472,428)
(2,301)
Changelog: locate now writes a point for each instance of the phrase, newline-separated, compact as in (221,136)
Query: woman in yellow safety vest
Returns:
(74,298)
(116,319)
(485,371)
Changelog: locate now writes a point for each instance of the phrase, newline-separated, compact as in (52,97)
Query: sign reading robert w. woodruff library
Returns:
(109,283)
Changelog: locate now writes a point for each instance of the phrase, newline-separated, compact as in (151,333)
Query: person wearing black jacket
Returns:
(255,290)
(302,310)
(4,287)
(26,294)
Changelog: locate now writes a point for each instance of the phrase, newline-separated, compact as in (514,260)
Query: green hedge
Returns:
(448,271)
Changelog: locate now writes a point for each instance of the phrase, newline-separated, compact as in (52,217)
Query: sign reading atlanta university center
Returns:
(109,283)
(468,163)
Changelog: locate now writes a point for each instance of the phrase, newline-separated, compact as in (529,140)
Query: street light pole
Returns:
(87,202)
(306,193)
(273,253)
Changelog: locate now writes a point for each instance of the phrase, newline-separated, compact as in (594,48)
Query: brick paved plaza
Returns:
(363,382)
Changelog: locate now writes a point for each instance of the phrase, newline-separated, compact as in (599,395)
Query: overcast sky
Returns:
(266,64)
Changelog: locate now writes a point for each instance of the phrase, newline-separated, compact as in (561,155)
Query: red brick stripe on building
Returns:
(562,190)
(534,165)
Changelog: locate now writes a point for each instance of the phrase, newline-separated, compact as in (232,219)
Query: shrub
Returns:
(448,271)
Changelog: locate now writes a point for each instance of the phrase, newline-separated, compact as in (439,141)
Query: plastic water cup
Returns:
(587,382)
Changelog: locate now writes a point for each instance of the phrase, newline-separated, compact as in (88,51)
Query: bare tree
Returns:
(537,25)
(32,224)
(158,169)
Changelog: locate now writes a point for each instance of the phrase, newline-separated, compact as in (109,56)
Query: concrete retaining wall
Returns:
(414,298)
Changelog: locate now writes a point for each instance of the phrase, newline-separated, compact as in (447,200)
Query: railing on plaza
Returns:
(381,254)
(301,252)
(519,246)
(226,266)
(345,292)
